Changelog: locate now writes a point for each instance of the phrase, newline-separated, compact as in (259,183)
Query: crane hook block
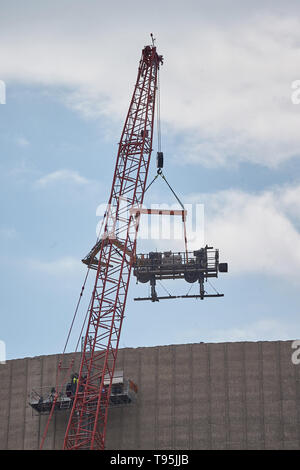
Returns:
(160,160)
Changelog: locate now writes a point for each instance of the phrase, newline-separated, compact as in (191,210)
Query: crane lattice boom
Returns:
(87,423)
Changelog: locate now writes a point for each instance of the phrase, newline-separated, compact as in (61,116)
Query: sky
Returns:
(230,115)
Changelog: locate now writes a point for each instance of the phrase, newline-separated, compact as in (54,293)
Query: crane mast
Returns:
(116,250)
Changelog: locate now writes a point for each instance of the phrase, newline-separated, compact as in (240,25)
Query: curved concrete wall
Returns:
(193,396)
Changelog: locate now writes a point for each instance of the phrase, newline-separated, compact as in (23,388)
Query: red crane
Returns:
(116,250)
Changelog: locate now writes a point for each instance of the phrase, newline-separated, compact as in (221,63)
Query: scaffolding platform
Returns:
(123,392)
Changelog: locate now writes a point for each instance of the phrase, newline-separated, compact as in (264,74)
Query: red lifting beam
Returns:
(87,424)
(138,211)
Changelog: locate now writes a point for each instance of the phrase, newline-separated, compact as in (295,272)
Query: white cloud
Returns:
(290,201)
(61,175)
(226,82)
(22,142)
(262,330)
(62,267)
(8,233)
(255,232)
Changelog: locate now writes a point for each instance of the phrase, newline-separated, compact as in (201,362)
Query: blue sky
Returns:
(231,142)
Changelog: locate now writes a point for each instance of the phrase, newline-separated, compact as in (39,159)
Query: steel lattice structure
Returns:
(87,423)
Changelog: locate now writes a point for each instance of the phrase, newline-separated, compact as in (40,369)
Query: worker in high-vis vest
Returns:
(74,383)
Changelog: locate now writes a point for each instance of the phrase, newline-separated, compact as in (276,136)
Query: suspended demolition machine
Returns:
(98,385)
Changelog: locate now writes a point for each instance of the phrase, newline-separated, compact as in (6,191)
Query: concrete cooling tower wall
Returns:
(242,395)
